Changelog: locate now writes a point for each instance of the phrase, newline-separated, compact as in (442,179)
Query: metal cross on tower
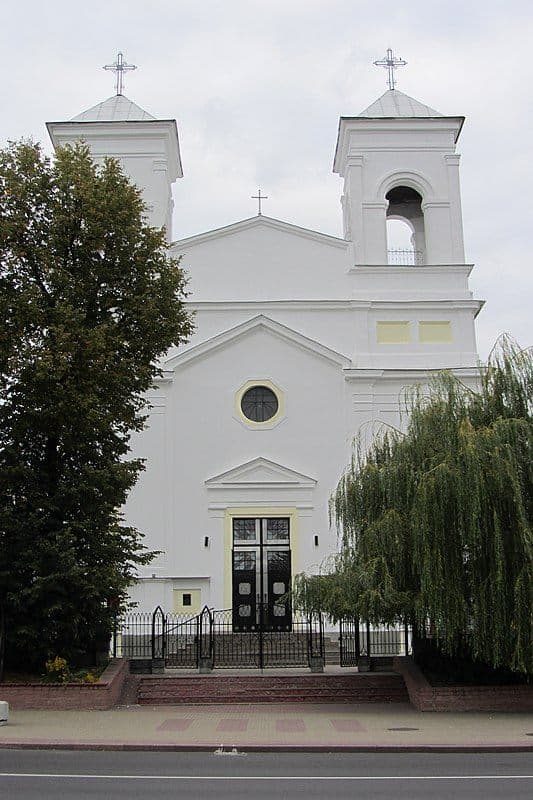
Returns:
(390,62)
(119,68)
(259,197)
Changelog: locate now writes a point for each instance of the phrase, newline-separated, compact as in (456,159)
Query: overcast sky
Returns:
(257,89)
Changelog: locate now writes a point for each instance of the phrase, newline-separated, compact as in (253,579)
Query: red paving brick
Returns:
(347,725)
(290,725)
(232,724)
(174,725)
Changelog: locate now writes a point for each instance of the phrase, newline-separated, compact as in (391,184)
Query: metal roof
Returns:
(115,109)
(397,104)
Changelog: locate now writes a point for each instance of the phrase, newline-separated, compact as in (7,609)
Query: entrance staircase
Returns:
(295,688)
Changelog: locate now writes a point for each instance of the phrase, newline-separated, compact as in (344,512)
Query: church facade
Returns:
(303,341)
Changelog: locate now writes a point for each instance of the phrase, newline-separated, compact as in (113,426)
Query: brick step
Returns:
(209,700)
(218,689)
(289,690)
(356,697)
(284,695)
(275,689)
(222,685)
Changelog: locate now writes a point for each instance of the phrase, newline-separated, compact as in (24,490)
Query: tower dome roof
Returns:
(117,108)
(397,104)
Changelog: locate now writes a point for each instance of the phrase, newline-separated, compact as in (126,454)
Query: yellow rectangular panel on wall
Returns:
(186,601)
(393,332)
(435,332)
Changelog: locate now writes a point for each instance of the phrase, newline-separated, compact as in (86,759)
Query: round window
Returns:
(259,404)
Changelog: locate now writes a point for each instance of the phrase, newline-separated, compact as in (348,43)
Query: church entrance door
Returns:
(261,575)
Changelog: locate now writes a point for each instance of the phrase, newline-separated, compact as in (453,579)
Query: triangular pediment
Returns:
(259,322)
(260,473)
(267,225)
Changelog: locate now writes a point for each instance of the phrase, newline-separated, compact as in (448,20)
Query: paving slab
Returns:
(357,727)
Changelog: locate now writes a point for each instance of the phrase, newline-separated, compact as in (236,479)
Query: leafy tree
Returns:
(436,524)
(89,299)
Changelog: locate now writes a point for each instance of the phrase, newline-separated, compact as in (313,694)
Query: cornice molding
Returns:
(259,221)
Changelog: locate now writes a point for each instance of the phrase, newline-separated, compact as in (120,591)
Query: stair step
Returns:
(271,689)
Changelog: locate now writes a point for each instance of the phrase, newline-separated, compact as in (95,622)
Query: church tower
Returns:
(398,161)
(147,148)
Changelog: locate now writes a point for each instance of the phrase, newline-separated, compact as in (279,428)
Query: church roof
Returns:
(397,104)
(117,108)
(260,221)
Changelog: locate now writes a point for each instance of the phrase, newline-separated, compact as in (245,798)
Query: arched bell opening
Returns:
(406,240)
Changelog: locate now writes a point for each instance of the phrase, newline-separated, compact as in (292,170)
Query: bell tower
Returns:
(398,160)
(147,148)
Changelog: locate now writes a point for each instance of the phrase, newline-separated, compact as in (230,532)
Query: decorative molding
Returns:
(259,322)
(414,375)
(260,222)
(260,473)
(426,269)
(268,424)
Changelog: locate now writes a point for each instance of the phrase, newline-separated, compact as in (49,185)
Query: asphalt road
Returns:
(49,775)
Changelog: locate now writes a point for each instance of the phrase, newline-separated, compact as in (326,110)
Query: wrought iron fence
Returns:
(406,258)
(172,638)
(360,642)
(261,646)
(210,640)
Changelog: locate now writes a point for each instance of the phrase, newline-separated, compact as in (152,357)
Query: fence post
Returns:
(158,640)
(115,628)
(315,644)
(205,641)
(363,662)
(406,635)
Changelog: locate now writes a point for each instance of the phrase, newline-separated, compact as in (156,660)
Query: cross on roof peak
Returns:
(119,68)
(390,62)
(259,197)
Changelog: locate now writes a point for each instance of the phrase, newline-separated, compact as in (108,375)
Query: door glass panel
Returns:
(277,530)
(278,587)
(245,611)
(279,611)
(243,561)
(244,530)
(277,559)
(245,588)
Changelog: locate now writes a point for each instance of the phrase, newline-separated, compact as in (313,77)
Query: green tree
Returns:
(89,299)
(436,525)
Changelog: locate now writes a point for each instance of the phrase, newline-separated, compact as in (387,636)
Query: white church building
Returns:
(303,340)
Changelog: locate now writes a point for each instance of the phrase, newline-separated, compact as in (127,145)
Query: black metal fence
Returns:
(209,640)
(262,646)
(172,638)
(360,642)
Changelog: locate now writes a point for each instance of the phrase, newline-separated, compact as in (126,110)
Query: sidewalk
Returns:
(390,727)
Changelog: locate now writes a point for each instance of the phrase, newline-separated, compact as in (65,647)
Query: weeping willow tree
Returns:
(436,524)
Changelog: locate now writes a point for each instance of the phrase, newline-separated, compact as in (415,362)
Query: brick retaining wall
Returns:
(98,696)
(425,697)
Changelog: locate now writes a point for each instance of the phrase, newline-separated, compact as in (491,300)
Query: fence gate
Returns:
(361,644)
(349,642)
(261,645)
(213,639)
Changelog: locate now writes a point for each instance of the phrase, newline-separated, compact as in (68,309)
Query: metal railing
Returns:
(172,638)
(262,646)
(210,640)
(406,258)
(359,641)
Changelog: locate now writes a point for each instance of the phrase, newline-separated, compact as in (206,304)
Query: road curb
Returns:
(265,748)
